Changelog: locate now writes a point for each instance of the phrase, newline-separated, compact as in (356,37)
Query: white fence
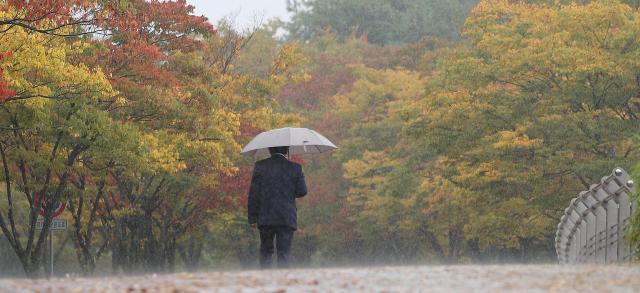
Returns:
(592,228)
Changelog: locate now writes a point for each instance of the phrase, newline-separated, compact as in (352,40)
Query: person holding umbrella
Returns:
(275,185)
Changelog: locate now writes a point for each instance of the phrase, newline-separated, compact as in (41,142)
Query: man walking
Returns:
(275,185)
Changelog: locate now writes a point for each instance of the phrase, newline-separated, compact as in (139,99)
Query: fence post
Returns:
(601,229)
(591,220)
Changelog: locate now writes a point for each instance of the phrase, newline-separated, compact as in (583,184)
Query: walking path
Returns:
(462,278)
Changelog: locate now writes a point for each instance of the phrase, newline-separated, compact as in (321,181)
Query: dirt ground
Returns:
(462,278)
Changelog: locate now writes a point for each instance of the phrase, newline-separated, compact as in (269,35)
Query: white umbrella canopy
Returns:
(299,141)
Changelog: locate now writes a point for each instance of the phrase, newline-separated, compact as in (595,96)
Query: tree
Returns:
(373,155)
(381,21)
(476,154)
(250,87)
(149,40)
(522,119)
(53,118)
(55,17)
(341,72)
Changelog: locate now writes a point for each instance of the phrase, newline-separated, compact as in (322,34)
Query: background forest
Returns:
(464,127)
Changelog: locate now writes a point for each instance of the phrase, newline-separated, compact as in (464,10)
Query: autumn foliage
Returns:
(136,128)
(5,92)
(459,140)
(473,151)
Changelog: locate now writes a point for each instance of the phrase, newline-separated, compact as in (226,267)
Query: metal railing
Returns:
(592,228)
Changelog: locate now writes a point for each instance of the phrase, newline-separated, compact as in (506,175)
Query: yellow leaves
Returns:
(266,118)
(379,94)
(565,39)
(371,163)
(120,101)
(507,223)
(516,139)
(40,67)
(127,212)
(442,195)
(496,88)
(161,156)
(488,170)
(368,176)
(286,66)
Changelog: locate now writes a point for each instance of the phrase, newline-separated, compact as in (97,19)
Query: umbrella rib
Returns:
(318,137)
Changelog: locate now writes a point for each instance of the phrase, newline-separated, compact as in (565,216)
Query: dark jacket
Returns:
(275,185)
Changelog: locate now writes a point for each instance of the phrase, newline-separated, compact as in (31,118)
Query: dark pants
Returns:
(283,237)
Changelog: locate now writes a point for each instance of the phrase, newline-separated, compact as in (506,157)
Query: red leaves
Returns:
(5,91)
(248,130)
(39,9)
(169,25)
(329,76)
(60,11)
(145,33)
(5,55)
(233,190)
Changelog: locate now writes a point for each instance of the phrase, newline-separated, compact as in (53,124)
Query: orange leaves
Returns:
(45,9)
(231,193)
(144,34)
(5,91)
(49,16)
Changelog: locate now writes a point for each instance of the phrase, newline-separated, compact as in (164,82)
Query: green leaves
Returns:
(383,22)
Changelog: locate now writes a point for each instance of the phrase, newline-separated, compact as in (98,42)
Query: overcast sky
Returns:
(243,11)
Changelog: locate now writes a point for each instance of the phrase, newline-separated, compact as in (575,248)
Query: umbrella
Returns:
(299,141)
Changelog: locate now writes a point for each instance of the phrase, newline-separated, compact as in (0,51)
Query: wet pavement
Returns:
(460,278)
